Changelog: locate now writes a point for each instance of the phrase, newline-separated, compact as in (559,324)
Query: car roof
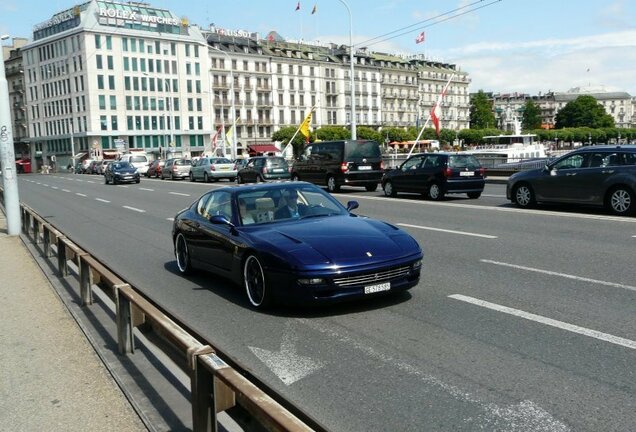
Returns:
(629,147)
(273,185)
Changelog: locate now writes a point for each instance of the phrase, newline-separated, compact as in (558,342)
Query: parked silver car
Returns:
(207,169)
(176,169)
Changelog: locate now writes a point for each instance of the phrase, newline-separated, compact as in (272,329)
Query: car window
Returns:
(276,162)
(629,159)
(412,163)
(597,160)
(364,149)
(432,161)
(201,205)
(222,161)
(570,162)
(463,161)
(182,162)
(139,159)
(219,204)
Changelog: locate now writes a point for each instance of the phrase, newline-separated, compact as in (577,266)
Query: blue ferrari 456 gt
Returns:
(293,243)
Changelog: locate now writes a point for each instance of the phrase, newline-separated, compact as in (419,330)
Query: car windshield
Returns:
(221,161)
(292,201)
(139,159)
(364,149)
(463,161)
(121,165)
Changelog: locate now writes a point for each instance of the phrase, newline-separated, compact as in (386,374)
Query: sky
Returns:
(524,46)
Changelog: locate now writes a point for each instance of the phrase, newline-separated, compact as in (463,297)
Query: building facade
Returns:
(12,56)
(104,77)
(620,105)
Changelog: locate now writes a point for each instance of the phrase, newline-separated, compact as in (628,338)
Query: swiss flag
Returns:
(435,115)
(420,38)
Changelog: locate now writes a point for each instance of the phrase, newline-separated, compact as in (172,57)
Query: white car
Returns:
(138,160)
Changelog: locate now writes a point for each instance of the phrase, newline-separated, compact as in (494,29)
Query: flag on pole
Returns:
(229,135)
(436,113)
(304,126)
(313,11)
(298,6)
(420,38)
(215,139)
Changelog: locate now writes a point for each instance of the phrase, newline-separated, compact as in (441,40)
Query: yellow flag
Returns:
(229,135)
(304,126)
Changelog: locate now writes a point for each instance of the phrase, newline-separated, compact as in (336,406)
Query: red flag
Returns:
(436,113)
(298,6)
(270,37)
(420,38)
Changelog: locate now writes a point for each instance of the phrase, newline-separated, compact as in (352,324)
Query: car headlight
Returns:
(417,264)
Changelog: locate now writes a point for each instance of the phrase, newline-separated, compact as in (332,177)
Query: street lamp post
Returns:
(7,157)
(353,90)
(232,107)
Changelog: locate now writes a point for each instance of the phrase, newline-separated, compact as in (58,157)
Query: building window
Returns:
(98,41)
(103,120)
(113,122)
(102,102)
(98,60)
(111,82)
(113,102)
(100,82)
(109,61)
(109,42)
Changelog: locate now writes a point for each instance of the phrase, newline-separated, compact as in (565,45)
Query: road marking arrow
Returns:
(286,364)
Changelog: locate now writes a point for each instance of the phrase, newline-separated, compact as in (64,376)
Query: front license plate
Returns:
(377,288)
(466,174)
(364,168)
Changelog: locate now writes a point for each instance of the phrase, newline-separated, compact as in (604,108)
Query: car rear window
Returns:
(277,162)
(182,162)
(221,161)
(364,149)
(138,159)
(463,161)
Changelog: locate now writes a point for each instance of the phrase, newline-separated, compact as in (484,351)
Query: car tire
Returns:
(162,177)
(206,179)
(254,281)
(239,179)
(389,190)
(523,196)
(295,177)
(114,181)
(332,186)
(191,177)
(105,180)
(182,254)
(371,188)
(156,174)
(172,177)
(473,195)
(138,181)
(620,201)
(435,192)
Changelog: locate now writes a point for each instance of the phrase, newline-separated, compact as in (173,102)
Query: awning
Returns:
(263,148)
(110,154)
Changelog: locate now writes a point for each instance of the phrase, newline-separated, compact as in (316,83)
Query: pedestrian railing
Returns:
(215,386)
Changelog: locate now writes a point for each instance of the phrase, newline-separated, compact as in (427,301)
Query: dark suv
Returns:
(263,168)
(436,174)
(595,175)
(337,163)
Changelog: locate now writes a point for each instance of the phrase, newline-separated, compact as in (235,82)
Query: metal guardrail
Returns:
(215,386)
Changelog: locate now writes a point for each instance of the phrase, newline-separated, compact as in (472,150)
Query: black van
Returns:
(337,163)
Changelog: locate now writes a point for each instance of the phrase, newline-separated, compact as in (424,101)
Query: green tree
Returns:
(584,111)
(367,133)
(531,116)
(481,115)
(328,133)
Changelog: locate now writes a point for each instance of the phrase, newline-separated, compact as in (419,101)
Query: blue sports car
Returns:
(293,243)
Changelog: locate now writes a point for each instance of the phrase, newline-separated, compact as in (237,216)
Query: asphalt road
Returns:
(524,320)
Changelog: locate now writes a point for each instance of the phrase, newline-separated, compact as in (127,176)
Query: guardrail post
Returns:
(46,235)
(25,225)
(27,221)
(125,338)
(202,388)
(36,231)
(62,264)
(86,282)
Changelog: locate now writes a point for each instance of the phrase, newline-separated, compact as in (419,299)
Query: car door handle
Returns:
(607,171)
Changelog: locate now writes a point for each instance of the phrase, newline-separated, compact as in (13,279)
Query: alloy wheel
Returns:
(182,254)
(254,279)
(388,189)
(621,201)
(524,196)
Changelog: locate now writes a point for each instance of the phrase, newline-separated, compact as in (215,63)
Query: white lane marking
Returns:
(525,415)
(497,209)
(448,231)
(38,183)
(122,186)
(66,190)
(146,189)
(179,193)
(54,187)
(79,180)
(563,275)
(44,184)
(548,321)
(102,200)
(89,181)
(170,219)
(134,209)
(80,194)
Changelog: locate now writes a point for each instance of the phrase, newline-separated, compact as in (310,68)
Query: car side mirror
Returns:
(352,205)
(221,220)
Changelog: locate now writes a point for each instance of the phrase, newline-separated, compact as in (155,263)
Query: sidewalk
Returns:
(50,377)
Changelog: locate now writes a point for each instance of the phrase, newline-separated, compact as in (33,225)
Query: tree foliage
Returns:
(284,134)
(584,111)
(531,116)
(481,115)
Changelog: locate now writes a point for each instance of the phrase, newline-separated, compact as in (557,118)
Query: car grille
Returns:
(368,278)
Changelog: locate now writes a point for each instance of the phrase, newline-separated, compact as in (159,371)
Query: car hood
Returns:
(339,240)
